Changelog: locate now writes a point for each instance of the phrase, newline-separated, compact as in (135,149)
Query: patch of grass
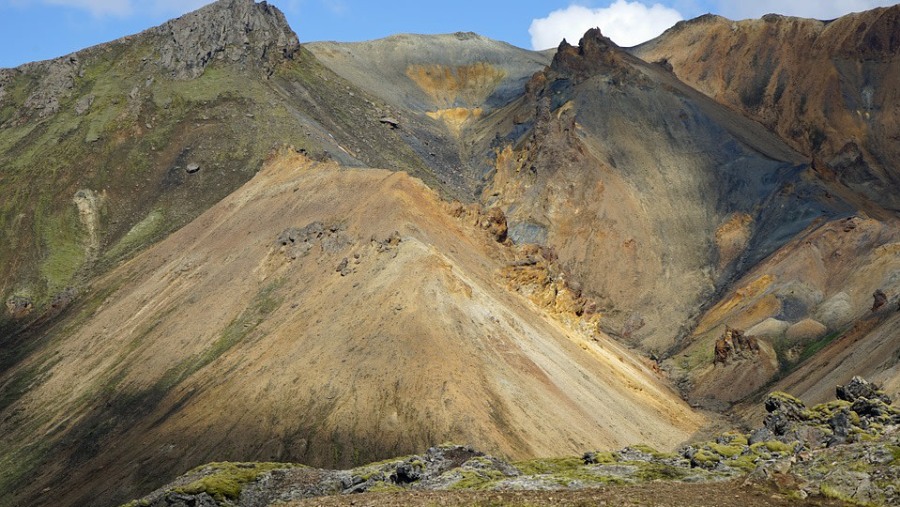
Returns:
(727,451)
(226,480)
(816,346)
(264,303)
(777,446)
(648,471)
(829,491)
(472,480)
(63,241)
(138,236)
(555,465)
(385,487)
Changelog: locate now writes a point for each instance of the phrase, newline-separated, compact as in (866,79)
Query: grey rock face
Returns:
(239,31)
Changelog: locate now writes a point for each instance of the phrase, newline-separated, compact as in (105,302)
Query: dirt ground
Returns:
(656,494)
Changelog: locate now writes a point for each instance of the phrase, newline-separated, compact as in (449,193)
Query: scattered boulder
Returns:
(860,388)
(296,242)
(390,121)
(784,412)
(800,452)
(192,168)
(492,220)
(84,104)
(880,299)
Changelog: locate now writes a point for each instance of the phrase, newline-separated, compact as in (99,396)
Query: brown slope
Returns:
(828,88)
(96,146)
(810,307)
(654,196)
(217,344)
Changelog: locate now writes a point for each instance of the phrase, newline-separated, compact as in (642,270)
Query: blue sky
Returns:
(41,29)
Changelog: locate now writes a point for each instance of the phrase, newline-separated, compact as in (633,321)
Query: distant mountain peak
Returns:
(235,30)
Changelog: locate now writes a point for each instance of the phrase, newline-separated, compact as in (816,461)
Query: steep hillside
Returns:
(827,87)
(447,87)
(291,323)
(108,149)
(653,196)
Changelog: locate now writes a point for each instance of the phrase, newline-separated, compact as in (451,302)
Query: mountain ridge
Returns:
(203,264)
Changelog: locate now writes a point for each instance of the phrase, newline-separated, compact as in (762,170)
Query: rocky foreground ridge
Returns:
(847,449)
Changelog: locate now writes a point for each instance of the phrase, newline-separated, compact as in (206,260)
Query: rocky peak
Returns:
(240,31)
(595,52)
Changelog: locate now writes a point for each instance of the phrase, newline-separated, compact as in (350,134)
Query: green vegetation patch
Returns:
(265,302)
(472,480)
(140,235)
(727,451)
(227,480)
(779,447)
(63,240)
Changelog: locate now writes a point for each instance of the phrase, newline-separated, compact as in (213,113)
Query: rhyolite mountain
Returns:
(219,244)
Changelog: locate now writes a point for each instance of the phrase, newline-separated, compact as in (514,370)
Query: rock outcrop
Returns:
(733,344)
(254,35)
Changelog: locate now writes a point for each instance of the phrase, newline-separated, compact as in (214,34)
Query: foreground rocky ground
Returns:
(844,451)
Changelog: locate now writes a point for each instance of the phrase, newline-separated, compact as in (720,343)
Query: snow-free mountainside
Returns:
(220,245)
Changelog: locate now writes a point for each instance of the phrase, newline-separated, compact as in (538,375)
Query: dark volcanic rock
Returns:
(861,388)
(240,31)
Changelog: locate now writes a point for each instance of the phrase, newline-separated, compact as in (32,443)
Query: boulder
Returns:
(859,387)
(879,299)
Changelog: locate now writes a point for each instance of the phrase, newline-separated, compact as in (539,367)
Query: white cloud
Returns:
(818,9)
(626,23)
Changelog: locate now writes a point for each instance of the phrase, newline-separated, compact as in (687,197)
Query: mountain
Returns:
(823,86)
(109,149)
(223,245)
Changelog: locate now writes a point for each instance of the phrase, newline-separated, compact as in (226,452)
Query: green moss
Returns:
(779,447)
(385,487)
(227,480)
(735,438)
(557,465)
(727,451)
(706,458)
(895,450)
(651,451)
(648,471)
(746,462)
(472,480)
